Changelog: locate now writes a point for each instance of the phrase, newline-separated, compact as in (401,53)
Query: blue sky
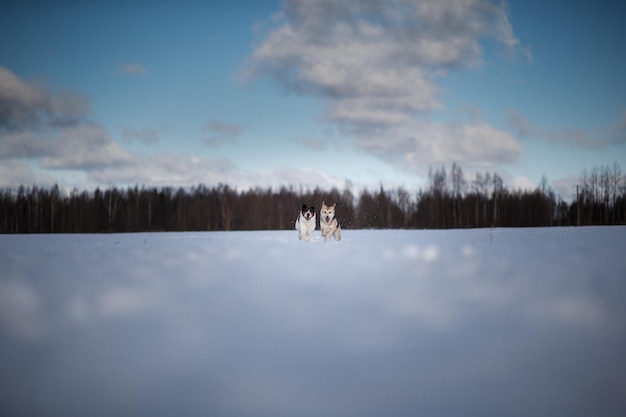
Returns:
(309,93)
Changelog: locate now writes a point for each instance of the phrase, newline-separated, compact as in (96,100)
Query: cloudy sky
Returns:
(309,93)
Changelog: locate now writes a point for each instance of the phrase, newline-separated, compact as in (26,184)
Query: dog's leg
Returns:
(329,232)
(338,234)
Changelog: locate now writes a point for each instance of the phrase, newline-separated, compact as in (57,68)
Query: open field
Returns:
(482,322)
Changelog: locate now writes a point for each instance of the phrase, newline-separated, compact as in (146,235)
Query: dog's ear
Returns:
(334,205)
(304,207)
(323,204)
(313,209)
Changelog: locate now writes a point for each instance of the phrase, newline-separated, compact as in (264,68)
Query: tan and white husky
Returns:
(328,222)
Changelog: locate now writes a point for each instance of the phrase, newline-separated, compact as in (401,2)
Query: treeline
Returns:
(450,201)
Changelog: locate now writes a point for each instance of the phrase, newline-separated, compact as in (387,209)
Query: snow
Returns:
(515,322)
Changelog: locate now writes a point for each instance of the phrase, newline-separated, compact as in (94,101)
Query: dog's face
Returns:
(328,212)
(308,212)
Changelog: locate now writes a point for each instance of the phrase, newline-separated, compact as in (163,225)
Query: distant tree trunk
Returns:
(615,179)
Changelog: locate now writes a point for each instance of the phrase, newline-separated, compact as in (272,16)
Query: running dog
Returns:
(305,223)
(328,222)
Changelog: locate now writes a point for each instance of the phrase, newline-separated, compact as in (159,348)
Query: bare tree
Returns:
(458,190)
(498,187)
(616,176)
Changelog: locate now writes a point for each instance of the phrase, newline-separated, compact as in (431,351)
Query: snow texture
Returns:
(484,322)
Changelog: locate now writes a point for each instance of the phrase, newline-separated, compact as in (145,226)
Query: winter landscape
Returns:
(153,161)
(478,322)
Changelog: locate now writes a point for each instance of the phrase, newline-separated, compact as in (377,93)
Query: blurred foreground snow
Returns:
(515,322)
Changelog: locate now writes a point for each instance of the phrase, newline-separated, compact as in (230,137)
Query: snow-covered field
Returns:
(502,322)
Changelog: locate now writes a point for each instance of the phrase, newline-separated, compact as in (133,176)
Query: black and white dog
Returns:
(305,223)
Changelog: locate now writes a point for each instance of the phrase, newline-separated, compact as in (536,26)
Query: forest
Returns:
(450,201)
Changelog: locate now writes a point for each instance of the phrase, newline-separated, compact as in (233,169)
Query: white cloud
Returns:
(51,129)
(523,183)
(224,128)
(417,144)
(81,146)
(520,125)
(86,146)
(41,133)
(25,105)
(574,137)
(313,144)
(21,144)
(183,171)
(328,55)
(14,171)
(146,136)
(221,133)
(566,187)
(307,178)
(166,170)
(377,64)
(133,69)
